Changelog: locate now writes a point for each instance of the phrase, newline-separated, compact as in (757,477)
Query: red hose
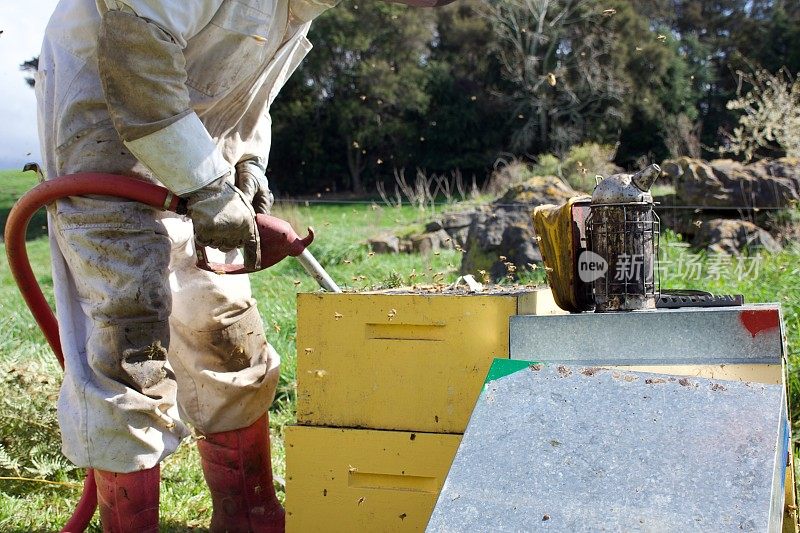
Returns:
(16,228)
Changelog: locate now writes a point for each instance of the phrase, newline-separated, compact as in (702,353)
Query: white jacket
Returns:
(237,54)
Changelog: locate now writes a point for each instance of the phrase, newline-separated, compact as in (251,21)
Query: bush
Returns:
(548,165)
(579,166)
(506,174)
(770,118)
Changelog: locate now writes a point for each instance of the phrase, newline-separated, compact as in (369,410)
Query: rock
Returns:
(733,237)
(505,228)
(431,242)
(538,190)
(455,224)
(435,225)
(687,222)
(501,239)
(459,219)
(384,244)
(728,183)
(496,234)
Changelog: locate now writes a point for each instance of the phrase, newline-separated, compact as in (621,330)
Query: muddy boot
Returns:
(128,503)
(238,470)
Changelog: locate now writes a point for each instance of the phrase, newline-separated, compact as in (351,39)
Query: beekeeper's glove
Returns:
(252,181)
(223,218)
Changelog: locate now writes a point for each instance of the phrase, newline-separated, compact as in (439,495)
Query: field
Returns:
(38,488)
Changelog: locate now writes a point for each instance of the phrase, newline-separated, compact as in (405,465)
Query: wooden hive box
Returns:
(401,361)
(363,480)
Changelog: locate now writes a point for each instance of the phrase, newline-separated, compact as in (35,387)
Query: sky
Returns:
(22,23)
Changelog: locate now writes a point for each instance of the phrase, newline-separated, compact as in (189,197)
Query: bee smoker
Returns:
(622,234)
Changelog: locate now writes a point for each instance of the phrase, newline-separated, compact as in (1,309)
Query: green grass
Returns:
(15,184)
(29,375)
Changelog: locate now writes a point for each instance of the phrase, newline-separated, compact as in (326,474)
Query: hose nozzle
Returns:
(278,240)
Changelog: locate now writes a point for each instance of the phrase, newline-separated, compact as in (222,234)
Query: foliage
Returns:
(579,166)
(427,189)
(388,87)
(465,125)
(660,120)
(366,79)
(508,172)
(724,36)
(770,116)
(652,76)
(30,443)
(556,56)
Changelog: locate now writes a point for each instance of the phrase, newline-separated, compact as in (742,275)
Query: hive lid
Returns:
(569,448)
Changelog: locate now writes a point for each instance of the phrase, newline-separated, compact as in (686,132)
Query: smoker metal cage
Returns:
(626,237)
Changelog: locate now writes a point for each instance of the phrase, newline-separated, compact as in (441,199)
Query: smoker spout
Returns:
(645,178)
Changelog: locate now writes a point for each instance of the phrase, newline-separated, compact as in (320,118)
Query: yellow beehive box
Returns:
(363,480)
(407,361)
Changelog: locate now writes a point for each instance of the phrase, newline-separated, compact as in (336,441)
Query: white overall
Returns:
(149,340)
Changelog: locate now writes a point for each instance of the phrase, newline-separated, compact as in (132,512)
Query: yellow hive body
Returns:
(411,362)
(352,480)
(406,369)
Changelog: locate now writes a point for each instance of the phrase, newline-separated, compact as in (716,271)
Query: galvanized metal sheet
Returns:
(746,334)
(562,448)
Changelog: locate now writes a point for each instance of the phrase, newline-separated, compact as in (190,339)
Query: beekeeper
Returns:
(176,93)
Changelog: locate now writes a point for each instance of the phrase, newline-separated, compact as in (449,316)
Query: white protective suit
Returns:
(139,323)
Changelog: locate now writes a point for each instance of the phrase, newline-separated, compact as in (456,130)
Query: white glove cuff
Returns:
(182,156)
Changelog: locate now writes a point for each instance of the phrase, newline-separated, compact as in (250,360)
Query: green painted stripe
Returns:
(503,367)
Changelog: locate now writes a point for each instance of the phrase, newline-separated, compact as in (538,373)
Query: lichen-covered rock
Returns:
(733,237)
(728,183)
(501,239)
(456,224)
(431,242)
(384,244)
(538,190)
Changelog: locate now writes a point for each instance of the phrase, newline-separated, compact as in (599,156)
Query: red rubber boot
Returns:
(128,503)
(238,470)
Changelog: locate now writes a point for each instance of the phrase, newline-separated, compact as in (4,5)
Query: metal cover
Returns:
(587,449)
(743,334)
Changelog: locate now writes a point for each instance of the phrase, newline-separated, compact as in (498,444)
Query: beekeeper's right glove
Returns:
(224,219)
(143,72)
(252,181)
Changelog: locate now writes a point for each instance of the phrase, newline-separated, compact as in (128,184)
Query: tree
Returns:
(733,35)
(465,126)
(770,115)
(663,88)
(366,81)
(29,67)
(556,56)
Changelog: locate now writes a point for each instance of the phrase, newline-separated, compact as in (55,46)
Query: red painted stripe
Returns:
(759,320)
